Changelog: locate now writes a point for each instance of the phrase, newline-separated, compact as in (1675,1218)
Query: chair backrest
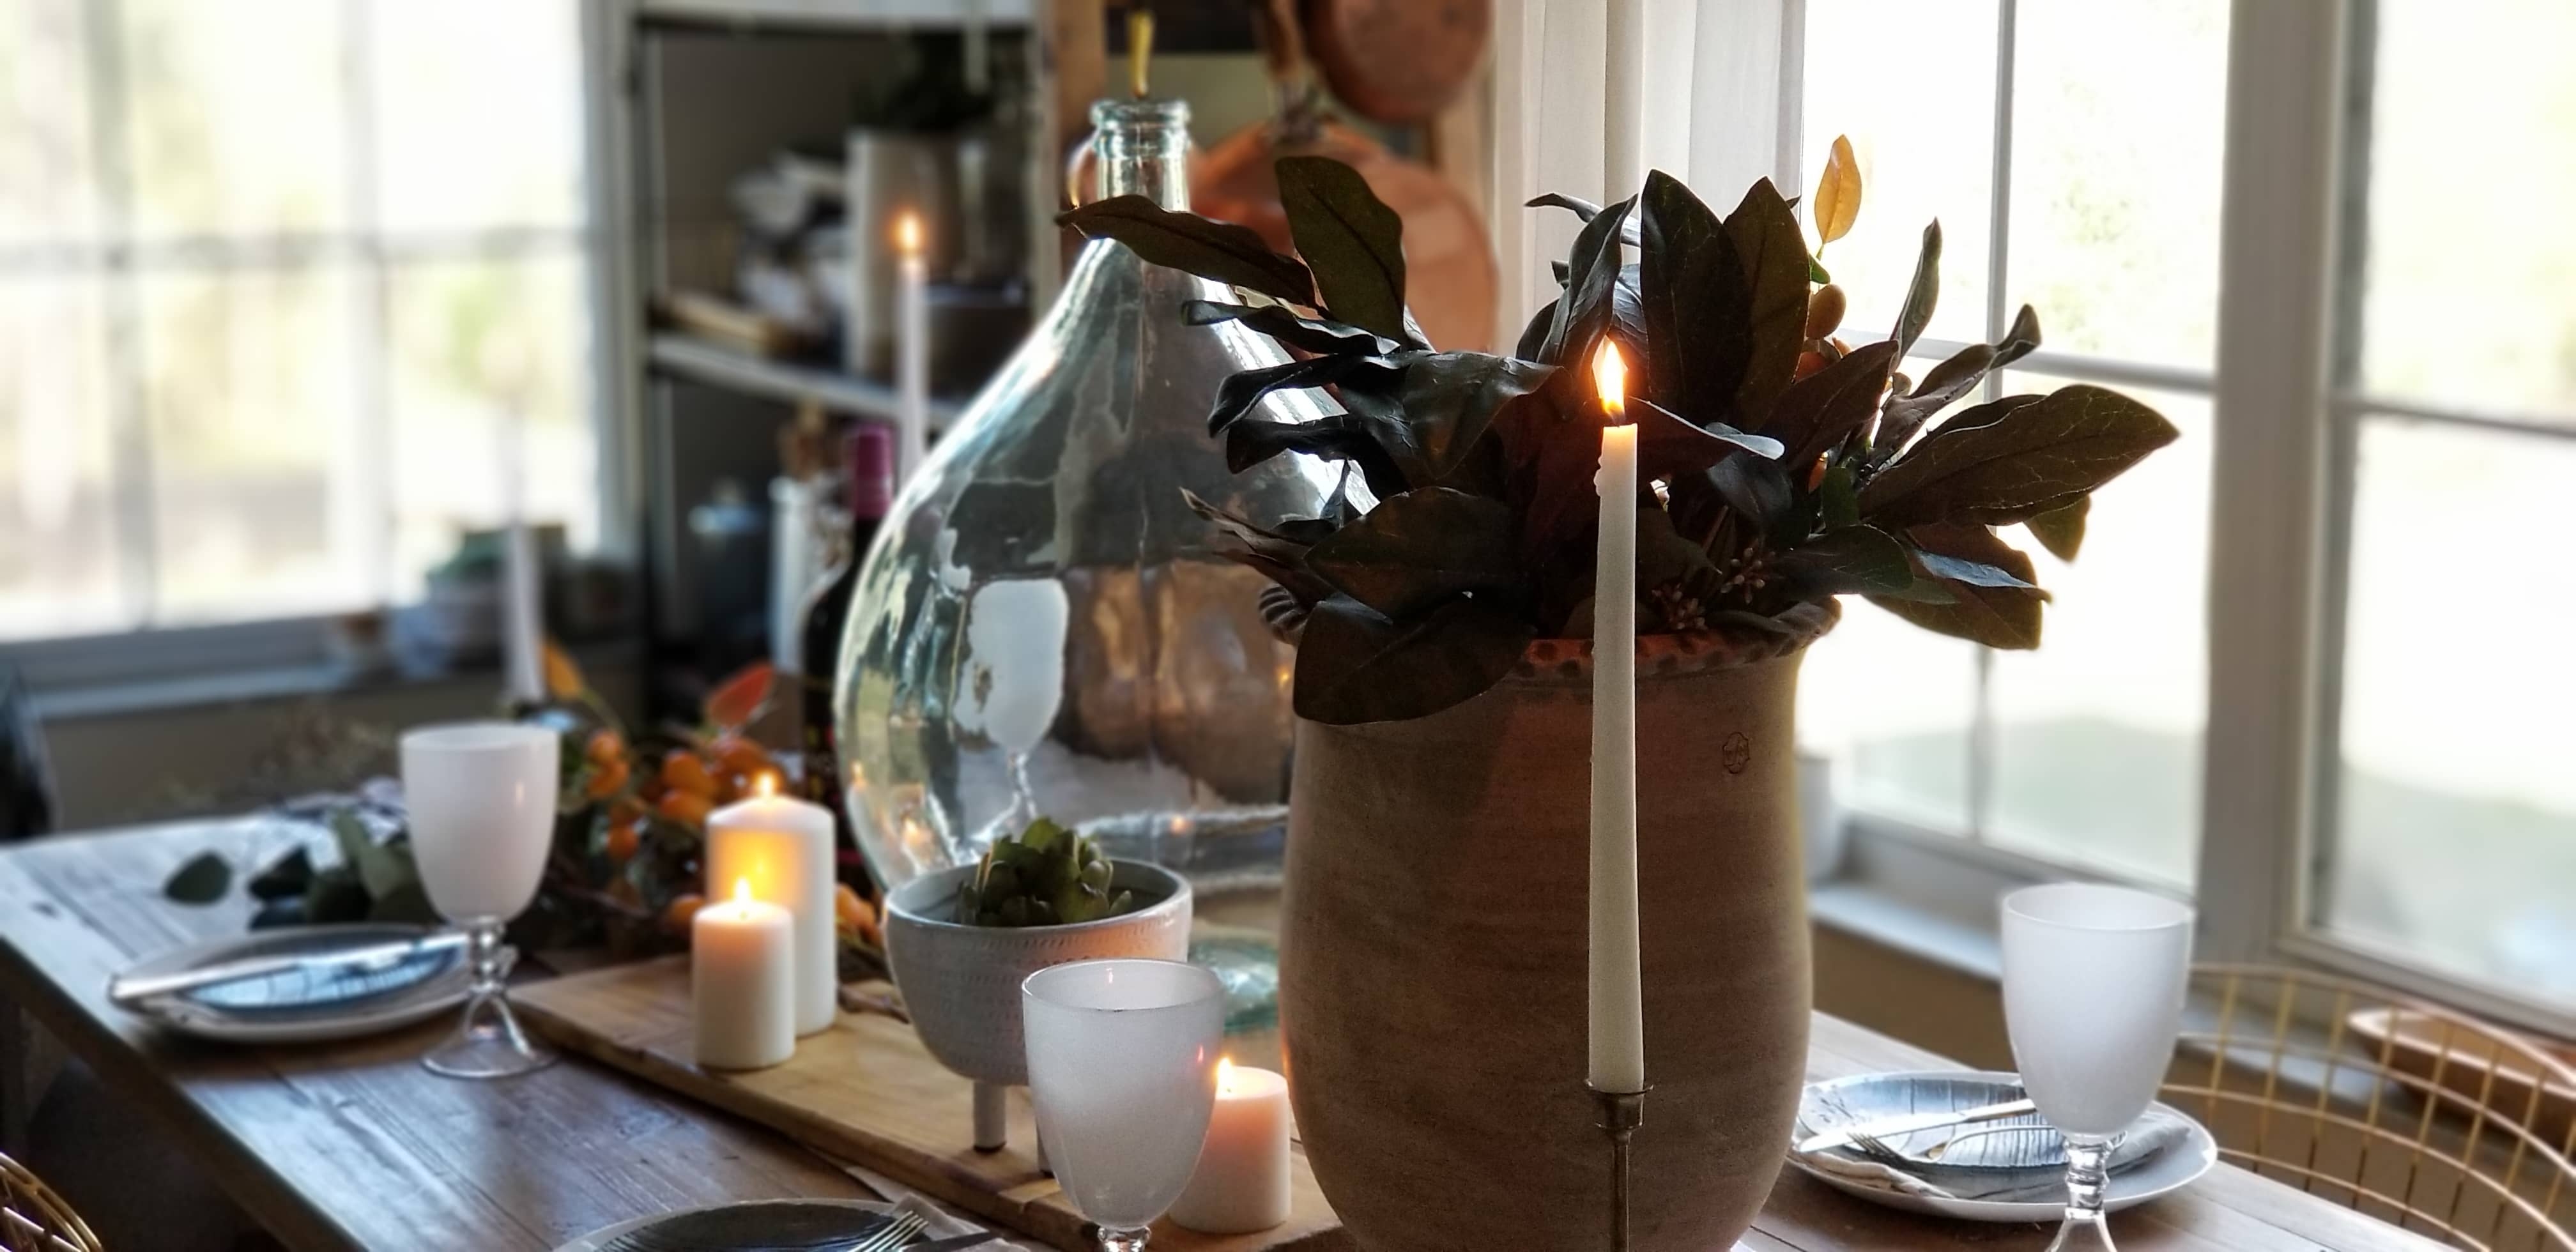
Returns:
(2400,1109)
(34,1219)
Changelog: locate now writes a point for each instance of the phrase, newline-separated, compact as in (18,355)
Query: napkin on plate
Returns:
(2149,1137)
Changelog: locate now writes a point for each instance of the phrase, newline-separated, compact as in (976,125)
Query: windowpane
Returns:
(48,176)
(478,105)
(237,117)
(474,342)
(2455,833)
(252,399)
(60,561)
(2098,733)
(1914,86)
(2119,115)
(2470,256)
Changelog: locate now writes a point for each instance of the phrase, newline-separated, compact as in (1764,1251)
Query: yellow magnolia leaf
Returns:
(563,678)
(1837,199)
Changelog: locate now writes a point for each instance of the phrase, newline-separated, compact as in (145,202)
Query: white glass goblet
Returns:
(481,799)
(1122,1067)
(2093,993)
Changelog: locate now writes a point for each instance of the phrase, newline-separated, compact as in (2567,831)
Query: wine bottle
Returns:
(868,455)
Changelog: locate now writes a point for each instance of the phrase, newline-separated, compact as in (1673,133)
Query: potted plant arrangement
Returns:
(961,941)
(1433,948)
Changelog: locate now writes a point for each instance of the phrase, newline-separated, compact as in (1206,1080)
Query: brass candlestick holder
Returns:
(1621,1113)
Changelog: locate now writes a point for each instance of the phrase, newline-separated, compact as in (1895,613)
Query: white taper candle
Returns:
(911,350)
(1618,1035)
(1623,105)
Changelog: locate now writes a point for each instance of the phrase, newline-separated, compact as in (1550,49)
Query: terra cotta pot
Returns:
(1432,974)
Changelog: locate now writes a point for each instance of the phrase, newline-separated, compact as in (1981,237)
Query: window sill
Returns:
(1872,913)
(284,682)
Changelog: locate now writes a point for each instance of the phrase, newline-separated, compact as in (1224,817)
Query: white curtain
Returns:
(1720,91)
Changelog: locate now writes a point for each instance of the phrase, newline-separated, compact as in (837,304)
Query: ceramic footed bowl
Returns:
(961,983)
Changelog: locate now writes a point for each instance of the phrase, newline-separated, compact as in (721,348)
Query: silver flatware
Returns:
(131,990)
(896,1233)
(1885,1128)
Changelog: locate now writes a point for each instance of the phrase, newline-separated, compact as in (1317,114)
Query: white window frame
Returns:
(2286,423)
(367,253)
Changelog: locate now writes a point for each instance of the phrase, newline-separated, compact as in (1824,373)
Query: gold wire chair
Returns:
(34,1219)
(2399,1109)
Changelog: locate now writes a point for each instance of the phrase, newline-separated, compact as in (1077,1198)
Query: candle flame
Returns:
(766,785)
(907,233)
(1225,1075)
(742,891)
(1610,374)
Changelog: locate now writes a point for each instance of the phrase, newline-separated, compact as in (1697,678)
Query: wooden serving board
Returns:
(867,1092)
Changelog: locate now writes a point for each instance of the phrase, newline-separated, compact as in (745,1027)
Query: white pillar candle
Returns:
(1241,1184)
(911,349)
(742,966)
(1618,1017)
(782,846)
(1623,105)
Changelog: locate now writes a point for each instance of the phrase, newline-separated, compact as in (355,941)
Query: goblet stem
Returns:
(2088,1169)
(483,952)
(488,1041)
(1129,1240)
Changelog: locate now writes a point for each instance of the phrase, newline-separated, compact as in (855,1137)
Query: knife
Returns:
(128,990)
(1911,1123)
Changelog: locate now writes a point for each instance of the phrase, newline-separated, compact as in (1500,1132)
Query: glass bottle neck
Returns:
(1143,150)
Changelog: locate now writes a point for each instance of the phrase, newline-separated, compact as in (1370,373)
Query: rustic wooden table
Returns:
(354,1145)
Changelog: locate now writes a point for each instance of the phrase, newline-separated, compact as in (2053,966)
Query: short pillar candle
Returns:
(742,965)
(783,847)
(1241,1184)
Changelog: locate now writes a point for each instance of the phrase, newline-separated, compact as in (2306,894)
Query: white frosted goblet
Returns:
(1122,1067)
(2093,993)
(481,801)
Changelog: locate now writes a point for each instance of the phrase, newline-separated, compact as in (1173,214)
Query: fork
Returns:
(899,1232)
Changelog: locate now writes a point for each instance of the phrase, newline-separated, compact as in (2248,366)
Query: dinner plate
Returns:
(751,1226)
(2167,1172)
(303,1006)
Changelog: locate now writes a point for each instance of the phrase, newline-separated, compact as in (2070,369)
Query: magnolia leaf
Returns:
(1663,555)
(1693,294)
(1974,573)
(1306,334)
(1448,401)
(1669,447)
(1837,500)
(2061,529)
(1240,391)
(1418,548)
(380,868)
(2032,458)
(2020,339)
(1996,616)
(564,680)
(1220,251)
(1355,666)
(1757,489)
(1819,411)
(1351,241)
(1946,382)
(1339,437)
(1923,294)
(201,879)
(1585,304)
(1817,273)
(1532,344)
(1277,543)
(1582,209)
(1773,253)
(738,700)
(1849,560)
(1837,199)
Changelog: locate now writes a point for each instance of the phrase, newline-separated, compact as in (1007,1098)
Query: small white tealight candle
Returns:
(1241,1184)
(783,846)
(742,968)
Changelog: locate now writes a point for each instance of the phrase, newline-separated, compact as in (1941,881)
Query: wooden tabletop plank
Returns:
(354,1145)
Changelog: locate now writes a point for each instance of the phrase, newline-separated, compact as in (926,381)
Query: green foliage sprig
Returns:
(1780,465)
(1043,876)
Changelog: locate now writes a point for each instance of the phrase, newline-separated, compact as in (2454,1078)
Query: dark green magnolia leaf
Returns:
(1560,271)
(1581,208)
(1816,272)
(1756,489)
(1339,437)
(2020,339)
(1239,392)
(1354,665)
(1837,500)
(1819,411)
(201,879)
(1849,560)
(1418,548)
(1924,293)
(1352,242)
(2061,529)
(1694,296)
(1974,573)
(1532,344)
(2031,459)
(1773,253)
(1306,334)
(1664,556)
(1669,447)
(1998,617)
(1448,401)
(1946,382)
(1585,306)
(1220,251)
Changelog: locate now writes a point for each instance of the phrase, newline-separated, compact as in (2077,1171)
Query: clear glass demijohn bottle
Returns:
(1041,626)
